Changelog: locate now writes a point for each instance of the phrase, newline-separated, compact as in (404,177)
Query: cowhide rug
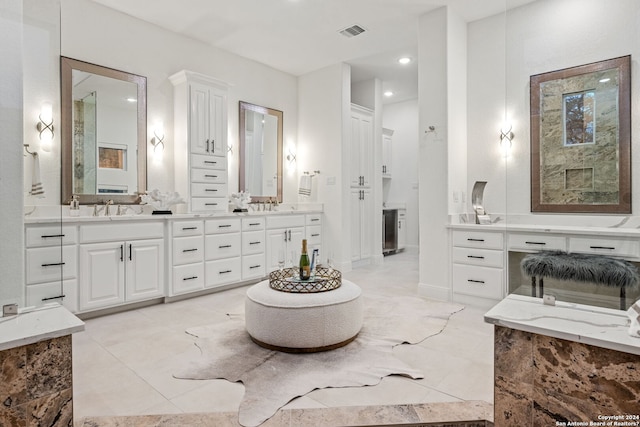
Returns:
(273,378)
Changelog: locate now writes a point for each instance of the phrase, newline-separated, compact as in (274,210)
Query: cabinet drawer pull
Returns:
(207,142)
(315,219)
(210,189)
(225,271)
(130,253)
(315,235)
(121,252)
(189,278)
(50,298)
(603,247)
(190,250)
(475,281)
(189,228)
(50,236)
(255,266)
(224,246)
(254,243)
(475,256)
(53,264)
(211,204)
(211,176)
(475,240)
(536,243)
(210,162)
(224,226)
(254,224)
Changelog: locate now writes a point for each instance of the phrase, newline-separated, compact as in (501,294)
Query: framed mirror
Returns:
(260,152)
(104,132)
(581,138)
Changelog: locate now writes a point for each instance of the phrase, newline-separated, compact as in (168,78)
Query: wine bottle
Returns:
(305,269)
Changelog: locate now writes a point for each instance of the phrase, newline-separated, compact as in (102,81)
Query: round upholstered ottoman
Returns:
(303,322)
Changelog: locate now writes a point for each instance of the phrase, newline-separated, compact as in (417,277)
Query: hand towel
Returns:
(305,185)
(37,189)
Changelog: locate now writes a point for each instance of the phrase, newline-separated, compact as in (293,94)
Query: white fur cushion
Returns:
(303,320)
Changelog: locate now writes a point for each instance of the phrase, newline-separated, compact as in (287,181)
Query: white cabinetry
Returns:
(222,243)
(478,264)
(254,244)
(387,149)
(51,265)
(187,256)
(313,233)
(120,263)
(402,228)
(361,158)
(284,233)
(200,123)
(361,223)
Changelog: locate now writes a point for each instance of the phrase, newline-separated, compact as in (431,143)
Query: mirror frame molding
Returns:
(263,110)
(67,65)
(623,66)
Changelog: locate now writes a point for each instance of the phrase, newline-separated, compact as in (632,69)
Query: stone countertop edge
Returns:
(551,229)
(597,326)
(32,326)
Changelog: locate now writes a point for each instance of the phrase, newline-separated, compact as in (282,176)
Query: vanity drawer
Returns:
(478,239)
(222,271)
(285,221)
(478,281)
(208,162)
(43,293)
(209,204)
(605,246)
(536,242)
(249,224)
(253,266)
(314,234)
(223,225)
(121,231)
(208,175)
(187,228)
(188,278)
(51,264)
(187,250)
(50,235)
(482,257)
(314,219)
(208,190)
(253,242)
(218,246)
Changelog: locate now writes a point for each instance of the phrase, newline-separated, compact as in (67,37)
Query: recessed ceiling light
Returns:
(404,60)
(388,93)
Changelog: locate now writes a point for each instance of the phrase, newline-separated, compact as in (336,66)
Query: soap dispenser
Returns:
(74,206)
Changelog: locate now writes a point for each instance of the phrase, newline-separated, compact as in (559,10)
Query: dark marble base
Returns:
(36,385)
(544,381)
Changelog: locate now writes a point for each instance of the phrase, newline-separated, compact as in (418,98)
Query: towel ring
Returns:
(26,148)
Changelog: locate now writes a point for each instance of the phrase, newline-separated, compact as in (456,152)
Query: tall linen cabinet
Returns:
(200,129)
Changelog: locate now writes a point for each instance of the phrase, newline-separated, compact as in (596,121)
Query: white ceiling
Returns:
(300,36)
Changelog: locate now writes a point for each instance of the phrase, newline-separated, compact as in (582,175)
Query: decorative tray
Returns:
(288,280)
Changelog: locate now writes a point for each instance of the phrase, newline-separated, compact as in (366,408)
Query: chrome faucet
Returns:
(95,210)
(106,207)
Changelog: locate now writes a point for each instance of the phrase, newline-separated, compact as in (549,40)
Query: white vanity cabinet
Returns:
(200,124)
(284,233)
(254,244)
(51,269)
(361,144)
(478,264)
(222,250)
(120,263)
(186,241)
(313,233)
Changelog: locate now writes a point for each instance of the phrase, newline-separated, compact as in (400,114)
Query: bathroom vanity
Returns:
(116,261)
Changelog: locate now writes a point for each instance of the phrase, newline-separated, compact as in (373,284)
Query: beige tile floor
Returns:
(123,363)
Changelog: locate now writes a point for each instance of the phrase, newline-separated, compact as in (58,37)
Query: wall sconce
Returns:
(291,157)
(158,137)
(506,136)
(230,149)
(45,126)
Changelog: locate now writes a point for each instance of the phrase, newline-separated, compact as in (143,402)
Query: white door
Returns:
(144,269)
(199,119)
(366,149)
(276,241)
(355,202)
(386,155)
(217,123)
(366,223)
(101,275)
(294,244)
(355,159)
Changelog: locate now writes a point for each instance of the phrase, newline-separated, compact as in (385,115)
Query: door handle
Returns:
(213,145)
(207,145)
(285,235)
(130,252)
(289,235)
(121,252)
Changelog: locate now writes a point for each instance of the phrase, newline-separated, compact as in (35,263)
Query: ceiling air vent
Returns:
(352,31)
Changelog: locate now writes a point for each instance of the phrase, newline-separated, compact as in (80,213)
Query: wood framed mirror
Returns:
(581,138)
(104,132)
(260,152)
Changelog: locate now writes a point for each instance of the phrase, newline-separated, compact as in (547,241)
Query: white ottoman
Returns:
(303,322)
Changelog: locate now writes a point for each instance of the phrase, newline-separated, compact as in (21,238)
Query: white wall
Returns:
(542,36)
(402,118)
(93,33)
(11,164)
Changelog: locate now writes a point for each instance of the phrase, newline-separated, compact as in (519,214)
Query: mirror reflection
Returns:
(260,152)
(103,133)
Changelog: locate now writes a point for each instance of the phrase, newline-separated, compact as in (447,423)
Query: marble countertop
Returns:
(394,205)
(597,326)
(34,325)
(561,229)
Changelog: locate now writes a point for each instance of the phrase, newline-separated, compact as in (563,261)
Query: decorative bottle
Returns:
(305,268)
(74,206)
